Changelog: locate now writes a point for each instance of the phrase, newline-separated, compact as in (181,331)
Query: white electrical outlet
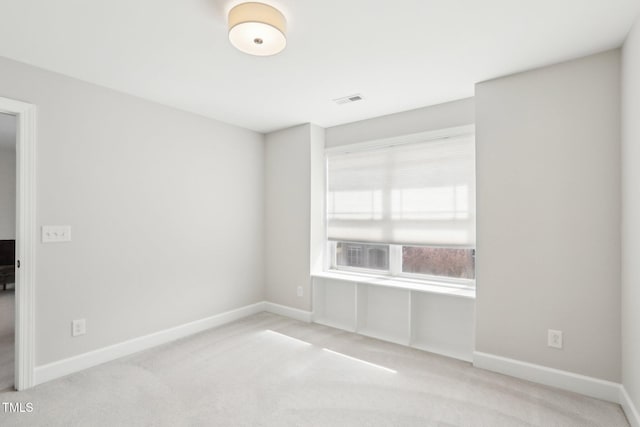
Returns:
(78,327)
(554,338)
(300,293)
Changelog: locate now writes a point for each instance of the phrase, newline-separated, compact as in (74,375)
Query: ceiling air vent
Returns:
(348,99)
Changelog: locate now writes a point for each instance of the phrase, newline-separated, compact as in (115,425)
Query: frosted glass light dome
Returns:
(257,29)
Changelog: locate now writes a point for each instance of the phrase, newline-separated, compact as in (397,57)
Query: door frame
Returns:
(26,238)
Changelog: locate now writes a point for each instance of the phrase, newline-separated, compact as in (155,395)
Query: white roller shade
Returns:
(414,194)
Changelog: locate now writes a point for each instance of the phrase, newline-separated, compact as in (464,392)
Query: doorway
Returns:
(7,248)
(17,249)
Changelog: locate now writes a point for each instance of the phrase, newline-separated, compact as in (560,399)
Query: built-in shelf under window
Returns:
(429,317)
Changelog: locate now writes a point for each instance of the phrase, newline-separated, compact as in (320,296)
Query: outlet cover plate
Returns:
(78,327)
(554,338)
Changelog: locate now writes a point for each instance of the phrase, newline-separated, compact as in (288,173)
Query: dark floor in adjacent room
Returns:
(7,307)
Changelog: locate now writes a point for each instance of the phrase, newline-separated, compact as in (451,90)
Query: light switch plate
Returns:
(56,233)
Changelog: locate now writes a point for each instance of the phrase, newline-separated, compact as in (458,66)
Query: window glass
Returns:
(436,261)
(362,255)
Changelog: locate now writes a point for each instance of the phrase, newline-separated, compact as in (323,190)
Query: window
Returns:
(354,256)
(350,255)
(447,262)
(405,209)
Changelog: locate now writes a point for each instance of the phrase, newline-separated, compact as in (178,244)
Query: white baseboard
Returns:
(588,386)
(77,363)
(466,356)
(629,408)
(283,310)
(83,361)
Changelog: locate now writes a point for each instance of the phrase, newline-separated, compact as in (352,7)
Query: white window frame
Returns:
(395,268)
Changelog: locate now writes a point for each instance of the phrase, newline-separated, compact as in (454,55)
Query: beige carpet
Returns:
(267,370)
(6,338)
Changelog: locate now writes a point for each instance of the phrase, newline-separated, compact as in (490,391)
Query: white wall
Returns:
(317,199)
(294,190)
(287,216)
(436,117)
(7,177)
(7,193)
(166,210)
(631,215)
(548,206)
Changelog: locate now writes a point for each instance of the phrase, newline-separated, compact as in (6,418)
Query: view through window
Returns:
(362,255)
(447,262)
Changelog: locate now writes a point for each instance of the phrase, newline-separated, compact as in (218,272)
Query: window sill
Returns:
(429,286)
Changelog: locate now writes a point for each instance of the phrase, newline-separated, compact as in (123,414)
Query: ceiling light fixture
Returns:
(257,29)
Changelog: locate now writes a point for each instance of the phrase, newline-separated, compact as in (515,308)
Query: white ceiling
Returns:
(400,54)
(7,131)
